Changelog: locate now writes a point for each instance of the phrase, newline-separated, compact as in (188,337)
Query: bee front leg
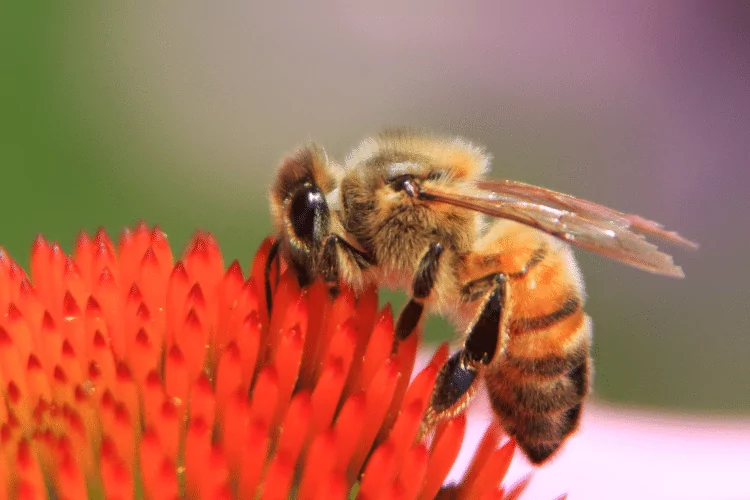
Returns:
(422,285)
(330,261)
(458,379)
(330,266)
(272,257)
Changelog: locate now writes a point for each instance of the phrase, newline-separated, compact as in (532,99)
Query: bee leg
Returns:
(422,285)
(455,386)
(456,383)
(487,338)
(330,263)
(272,254)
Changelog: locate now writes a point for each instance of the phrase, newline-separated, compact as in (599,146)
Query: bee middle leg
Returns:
(458,379)
(422,286)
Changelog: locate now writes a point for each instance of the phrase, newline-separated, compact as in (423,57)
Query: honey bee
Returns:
(409,211)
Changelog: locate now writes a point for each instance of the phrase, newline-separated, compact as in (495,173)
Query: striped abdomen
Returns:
(537,384)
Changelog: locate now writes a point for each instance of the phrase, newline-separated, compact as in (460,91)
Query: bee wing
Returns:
(582,223)
(580,206)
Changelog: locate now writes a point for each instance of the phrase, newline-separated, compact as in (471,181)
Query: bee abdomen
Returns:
(571,306)
(536,392)
(539,412)
(539,449)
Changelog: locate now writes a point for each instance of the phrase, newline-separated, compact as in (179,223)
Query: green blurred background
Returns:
(177,113)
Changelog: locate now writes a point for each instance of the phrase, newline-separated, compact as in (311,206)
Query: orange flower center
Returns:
(125,372)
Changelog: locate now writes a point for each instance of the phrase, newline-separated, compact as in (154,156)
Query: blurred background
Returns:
(178,113)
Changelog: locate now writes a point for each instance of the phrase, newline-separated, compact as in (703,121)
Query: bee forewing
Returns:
(582,223)
(580,206)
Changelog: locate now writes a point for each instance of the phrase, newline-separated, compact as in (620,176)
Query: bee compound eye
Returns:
(405,183)
(308,212)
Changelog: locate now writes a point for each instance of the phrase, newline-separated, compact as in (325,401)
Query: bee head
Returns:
(299,209)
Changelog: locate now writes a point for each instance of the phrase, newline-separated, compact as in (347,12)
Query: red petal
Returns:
(349,425)
(177,383)
(411,474)
(379,472)
(202,401)
(254,451)
(234,428)
(335,371)
(443,452)
(379,346)
(287,362)
(294,428)
(319,465)
(379,395)
(197,453)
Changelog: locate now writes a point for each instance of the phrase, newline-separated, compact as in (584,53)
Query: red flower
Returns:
(126,373)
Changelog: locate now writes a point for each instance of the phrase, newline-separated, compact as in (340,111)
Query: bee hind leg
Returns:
(458,379)
(456,385)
